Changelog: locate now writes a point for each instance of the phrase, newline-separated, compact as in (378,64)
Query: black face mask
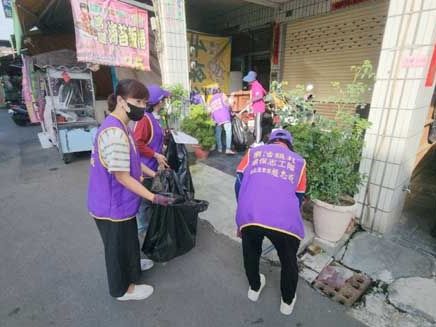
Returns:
(136,113)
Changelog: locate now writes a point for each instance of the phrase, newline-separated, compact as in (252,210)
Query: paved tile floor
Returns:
(223,162)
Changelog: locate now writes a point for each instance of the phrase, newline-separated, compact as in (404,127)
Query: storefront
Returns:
(318,42)
(321,49)
(295,41)
(251,38)
(70,67)
(49,26)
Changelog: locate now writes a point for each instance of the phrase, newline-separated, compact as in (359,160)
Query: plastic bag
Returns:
(177,156)
(239,134)
(167,181)
(173,229)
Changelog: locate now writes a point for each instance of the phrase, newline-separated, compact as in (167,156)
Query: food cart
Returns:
(69,115)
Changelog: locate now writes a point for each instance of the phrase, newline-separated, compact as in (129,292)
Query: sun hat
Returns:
(250,77)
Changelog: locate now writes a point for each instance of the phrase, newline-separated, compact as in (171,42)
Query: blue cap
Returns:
(250,77)
(281,134)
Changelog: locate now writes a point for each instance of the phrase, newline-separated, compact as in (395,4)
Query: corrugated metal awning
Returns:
(49,16)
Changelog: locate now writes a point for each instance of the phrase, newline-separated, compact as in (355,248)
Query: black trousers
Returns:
(286,246)
(121,251)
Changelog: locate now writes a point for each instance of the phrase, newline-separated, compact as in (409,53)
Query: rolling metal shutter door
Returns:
(322,49)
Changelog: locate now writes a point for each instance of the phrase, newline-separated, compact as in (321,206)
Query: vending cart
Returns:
(69,117)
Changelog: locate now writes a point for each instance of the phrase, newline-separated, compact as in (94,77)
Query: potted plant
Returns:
(199,125)
(332,156)
(332,148)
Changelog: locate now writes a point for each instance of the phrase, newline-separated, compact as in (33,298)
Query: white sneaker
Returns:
(254,295)
(146,264)
(287,309)
(140,292)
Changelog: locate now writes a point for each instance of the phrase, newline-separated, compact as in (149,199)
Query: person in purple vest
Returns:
(270,186)
(149,138)
(220,110)
(115,191)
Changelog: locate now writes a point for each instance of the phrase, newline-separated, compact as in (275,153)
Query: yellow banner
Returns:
(210,61)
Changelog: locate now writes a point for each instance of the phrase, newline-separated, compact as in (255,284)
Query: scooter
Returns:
(19,114)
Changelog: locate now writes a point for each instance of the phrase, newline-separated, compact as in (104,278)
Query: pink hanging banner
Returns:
(26,89)
(112,33)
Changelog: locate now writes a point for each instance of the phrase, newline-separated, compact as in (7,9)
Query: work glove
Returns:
(163,200)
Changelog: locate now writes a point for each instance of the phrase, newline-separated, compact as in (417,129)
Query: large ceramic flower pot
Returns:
(200,154)
(331,221)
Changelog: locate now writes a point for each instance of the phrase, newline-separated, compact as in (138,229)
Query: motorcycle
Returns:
(19,114)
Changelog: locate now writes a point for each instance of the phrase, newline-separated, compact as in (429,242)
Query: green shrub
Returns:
(199,125)
(333,147)
(332,156)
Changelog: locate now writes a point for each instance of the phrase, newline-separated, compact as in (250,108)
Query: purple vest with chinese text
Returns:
(220,111)
(267,195)
(107,198)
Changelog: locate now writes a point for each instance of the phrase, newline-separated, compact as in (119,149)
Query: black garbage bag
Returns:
(167,181)
(240,139)
(173,229)
(177,156)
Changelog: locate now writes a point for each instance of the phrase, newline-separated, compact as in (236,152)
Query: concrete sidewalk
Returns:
(390,302)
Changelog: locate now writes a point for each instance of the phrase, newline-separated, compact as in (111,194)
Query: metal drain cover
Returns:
(342,284)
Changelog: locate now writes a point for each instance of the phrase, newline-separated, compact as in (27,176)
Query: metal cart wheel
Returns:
(67,158)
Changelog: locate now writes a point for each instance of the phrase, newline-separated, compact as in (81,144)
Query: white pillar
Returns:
(399,107)
(173,47)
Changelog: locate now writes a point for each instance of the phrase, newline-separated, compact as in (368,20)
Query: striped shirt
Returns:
(114,149)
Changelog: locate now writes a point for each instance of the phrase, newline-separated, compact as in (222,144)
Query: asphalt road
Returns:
(52,266)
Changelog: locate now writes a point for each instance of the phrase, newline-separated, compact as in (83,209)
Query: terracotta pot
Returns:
(200,153)
(331,221)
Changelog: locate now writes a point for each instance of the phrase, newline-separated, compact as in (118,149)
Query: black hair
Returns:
(127,88)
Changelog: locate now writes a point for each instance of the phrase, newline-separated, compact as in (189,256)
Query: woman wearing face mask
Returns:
(115,191)
(149,139)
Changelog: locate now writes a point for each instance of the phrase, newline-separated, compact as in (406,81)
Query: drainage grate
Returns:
(341,284)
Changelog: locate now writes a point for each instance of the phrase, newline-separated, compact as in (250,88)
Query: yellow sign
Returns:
(210,61)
